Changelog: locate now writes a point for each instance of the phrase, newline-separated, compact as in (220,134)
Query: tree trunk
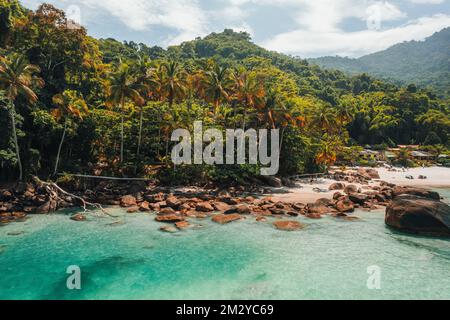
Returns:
(59,148)
(140,132)
(121,129)
(16,142)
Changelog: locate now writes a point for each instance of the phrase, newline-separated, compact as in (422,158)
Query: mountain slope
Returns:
(425,63)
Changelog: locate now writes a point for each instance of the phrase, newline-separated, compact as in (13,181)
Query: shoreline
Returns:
(338,195)
(437,178)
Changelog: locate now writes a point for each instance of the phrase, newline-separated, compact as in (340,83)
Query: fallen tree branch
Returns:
(53,189)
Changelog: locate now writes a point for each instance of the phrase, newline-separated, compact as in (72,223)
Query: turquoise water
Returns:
(242,260)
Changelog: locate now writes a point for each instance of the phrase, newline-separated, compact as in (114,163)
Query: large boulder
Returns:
(419,215)
(420,192)
(128,201)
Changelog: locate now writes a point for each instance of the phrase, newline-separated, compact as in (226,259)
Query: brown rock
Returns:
(204,207)
(336,186)
(169,218)
(351,188)
(166,210)
(19,215)
(368,173)
(345,205)
(317,208)
(133,209)
(226,218)
(358,198)
(221,206)
(128,201)
(419,215)
(173,202)
(298,206)
(144,206)
(261,219)
(243,209)
(182,225)
(276,211)
(323,202)
(420,192)
(280,205)
(288,225)
(78,217)
(230,201)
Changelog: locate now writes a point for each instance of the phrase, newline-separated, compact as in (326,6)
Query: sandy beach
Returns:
(437,177)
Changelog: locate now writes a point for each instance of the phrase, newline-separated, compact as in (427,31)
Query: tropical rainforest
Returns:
(72,103)
(425,63)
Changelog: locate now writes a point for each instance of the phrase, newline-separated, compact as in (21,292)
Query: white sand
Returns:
(436,177)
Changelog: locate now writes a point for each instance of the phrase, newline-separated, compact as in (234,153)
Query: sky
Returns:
(305,28)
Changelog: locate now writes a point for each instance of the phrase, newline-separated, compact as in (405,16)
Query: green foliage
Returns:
(423,63)
(223,79)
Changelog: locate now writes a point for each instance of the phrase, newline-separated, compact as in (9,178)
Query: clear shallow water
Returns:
(242,260)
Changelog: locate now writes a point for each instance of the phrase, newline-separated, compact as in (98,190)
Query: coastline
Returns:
(437,177)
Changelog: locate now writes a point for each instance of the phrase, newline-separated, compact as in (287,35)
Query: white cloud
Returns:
(305,43)
(316,26)
(185,16)
(427,1)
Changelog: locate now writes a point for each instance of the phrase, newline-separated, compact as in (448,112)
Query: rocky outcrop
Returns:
(420,192)
(418,215)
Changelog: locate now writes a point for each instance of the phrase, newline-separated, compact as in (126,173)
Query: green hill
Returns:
(424,63)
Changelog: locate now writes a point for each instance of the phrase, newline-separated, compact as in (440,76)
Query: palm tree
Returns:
(327,155)
(146,80)
(248,91)
(216,83)
(123,87)
(324,118)
(173,79)
(17,78)
(345,113)
(68,104)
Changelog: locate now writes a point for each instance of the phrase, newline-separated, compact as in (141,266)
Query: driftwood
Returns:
(54,190)
(105,178)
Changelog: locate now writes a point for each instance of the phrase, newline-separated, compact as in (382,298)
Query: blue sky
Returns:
(306,28)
